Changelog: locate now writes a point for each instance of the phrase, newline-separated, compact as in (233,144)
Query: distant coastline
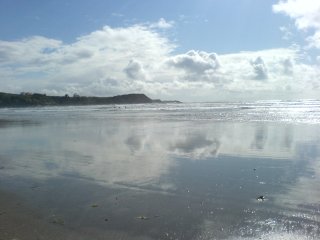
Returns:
(37,99)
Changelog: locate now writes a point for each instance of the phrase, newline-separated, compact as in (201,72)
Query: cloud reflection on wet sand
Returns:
(186,159)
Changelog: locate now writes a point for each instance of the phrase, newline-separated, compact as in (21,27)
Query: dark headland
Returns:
(37,99)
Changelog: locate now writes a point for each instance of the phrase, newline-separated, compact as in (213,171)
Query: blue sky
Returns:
(220,26)
(216,50)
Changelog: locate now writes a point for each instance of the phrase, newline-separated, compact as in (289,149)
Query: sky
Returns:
(189,50)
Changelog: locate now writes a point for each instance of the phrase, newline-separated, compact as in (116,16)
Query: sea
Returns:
(178,171)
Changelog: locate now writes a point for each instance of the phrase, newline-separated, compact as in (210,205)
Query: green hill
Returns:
(36,99)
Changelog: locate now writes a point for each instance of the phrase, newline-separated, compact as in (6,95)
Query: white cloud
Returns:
(287,34)
(27,51)
(138,58)
(162,24)
(288,66)
(259,68)
(306,14)
(135,70)
(314,40)
(41,63)
(194,61)
(117,15)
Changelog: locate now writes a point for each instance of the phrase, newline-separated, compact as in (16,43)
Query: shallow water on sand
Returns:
(174,171)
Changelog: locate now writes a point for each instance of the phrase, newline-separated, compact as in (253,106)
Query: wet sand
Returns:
(4,123)
(93,176)
(18,221)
